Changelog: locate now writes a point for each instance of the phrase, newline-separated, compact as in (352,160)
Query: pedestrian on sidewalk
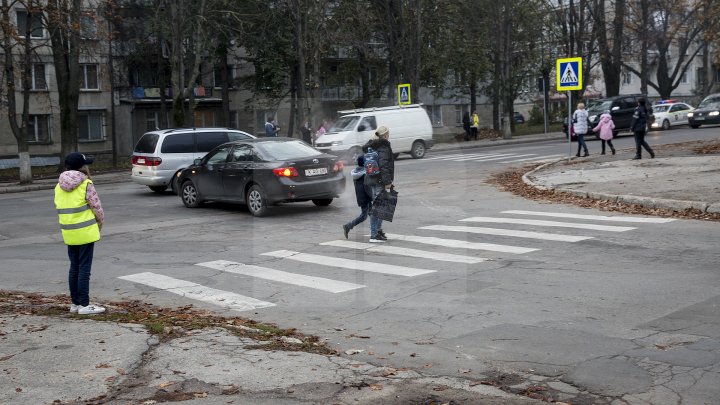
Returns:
(383,180)
(474,125)
(364,200)
(580,126)
(81,218)
(606,126)
(271,129)
(466,125)
(639,128)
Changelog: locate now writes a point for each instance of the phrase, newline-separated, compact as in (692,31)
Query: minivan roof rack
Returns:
(371,109)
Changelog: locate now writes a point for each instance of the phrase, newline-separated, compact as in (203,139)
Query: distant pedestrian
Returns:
(271,129)
(580,126)
(606,126)
(466,125)
(306,132)
(382,181)
(81,218)
(364,200)
(474,125)
(322,129)
(639,127)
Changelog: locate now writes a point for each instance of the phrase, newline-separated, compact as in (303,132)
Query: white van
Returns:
(410,131)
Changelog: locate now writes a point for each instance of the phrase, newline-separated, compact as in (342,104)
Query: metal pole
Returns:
(569,126)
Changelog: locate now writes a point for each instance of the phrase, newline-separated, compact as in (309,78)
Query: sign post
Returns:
(404,94)
(568,76)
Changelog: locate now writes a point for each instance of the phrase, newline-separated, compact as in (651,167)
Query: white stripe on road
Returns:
(318,283)
(548,157)
(445,257)
(507,232)
(459,155)
(498,158)
(592,217)
(460,244)
(198,292)
(349,264)
(495,156)
(608,228)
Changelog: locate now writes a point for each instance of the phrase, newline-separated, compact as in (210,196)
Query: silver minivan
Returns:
(159,155)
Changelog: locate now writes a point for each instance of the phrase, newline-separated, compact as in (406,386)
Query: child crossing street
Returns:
(364,200)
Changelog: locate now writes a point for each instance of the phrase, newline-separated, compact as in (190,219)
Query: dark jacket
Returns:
(639,119)
(362,196)
(385,161)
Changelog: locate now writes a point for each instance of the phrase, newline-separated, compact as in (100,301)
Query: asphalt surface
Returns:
(68,359)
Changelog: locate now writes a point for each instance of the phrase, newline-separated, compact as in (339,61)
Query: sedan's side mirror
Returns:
(361,128)
(197,161)
(615,108)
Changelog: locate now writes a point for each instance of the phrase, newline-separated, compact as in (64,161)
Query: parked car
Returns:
(708,112)
(159,155)
(410,131)
(519,118)
(670,113)
(621,109)
(263,172)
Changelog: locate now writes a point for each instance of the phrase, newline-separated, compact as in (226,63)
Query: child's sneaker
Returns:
(381,235)
(376,239)
(346,230)
(74,308)
(90,309)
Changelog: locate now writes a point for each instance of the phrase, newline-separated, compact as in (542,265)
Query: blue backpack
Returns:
(372,167)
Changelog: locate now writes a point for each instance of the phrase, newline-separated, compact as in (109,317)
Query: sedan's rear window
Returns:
(147,143)
(287,150)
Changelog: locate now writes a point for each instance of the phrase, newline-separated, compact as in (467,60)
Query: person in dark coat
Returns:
(639,128)
(381,181)
(466,125)
(306,132)
(364,200)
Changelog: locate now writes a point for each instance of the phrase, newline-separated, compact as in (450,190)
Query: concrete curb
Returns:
(647,202)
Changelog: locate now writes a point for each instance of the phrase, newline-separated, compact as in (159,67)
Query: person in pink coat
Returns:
(606,126)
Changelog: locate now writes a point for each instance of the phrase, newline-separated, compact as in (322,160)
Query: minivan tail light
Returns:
(339,166)
(285,172)
(146,160)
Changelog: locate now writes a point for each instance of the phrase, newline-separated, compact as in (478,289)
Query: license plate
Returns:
(699,118)
(316,172)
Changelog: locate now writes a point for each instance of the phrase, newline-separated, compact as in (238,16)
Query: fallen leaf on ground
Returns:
(353,351)
(440,388)
(464,370)
(376,387)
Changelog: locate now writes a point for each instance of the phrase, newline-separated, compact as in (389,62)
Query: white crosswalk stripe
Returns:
(508,232)
(395,250)
(534,222)
(349,263)
(460,244)
(484,158)
(458,155)
(318,283)
(198,292)
(592,217)
(494,157)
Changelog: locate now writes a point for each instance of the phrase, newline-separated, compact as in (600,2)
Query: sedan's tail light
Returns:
(146,161)
(339,166)
(285,172)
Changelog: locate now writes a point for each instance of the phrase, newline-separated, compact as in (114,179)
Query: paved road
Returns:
(605,306)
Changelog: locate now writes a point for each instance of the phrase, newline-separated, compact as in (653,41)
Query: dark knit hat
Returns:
(75,160)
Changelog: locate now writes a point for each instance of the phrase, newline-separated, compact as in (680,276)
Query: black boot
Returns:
(586,154)
(613,150)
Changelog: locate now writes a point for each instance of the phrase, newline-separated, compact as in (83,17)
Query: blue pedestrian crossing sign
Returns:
(568,74)
(404,94)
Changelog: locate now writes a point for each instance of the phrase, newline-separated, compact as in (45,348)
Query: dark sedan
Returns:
(263,172)
(707,113)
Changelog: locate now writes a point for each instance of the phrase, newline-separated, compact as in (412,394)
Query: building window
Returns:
(36,24)
(39,78)
(91,125)
(89,77)
(626,78)
(217,77)
(38,129)
(435,114)
(684,77)
(88,26)
(459,110)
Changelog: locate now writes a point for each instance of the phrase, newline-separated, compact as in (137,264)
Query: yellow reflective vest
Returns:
(77,220)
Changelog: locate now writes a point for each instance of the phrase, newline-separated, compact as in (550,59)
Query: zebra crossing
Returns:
(408,246)
(496,157)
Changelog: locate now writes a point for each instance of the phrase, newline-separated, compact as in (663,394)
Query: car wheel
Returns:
(418,150)
(189,194)
(322,202)
(255,200)
(158,189)
(695,126)
(666,125)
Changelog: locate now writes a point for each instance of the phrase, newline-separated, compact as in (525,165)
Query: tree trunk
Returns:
(225,90)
